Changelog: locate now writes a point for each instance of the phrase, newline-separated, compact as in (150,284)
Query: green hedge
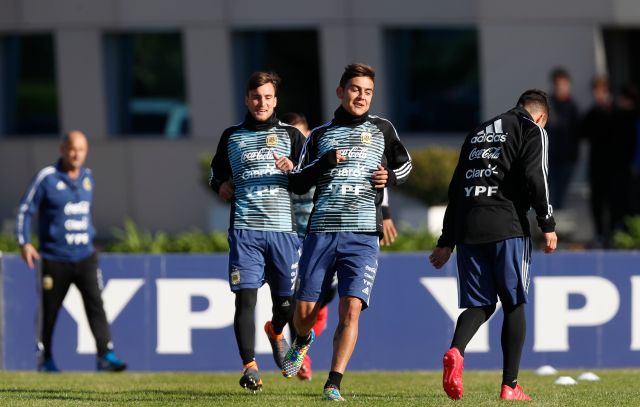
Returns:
(412,240)
(8,243)
(629,238)
(133,240)
(431,174)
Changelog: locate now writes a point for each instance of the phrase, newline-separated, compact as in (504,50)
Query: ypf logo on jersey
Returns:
(365,137)
(272,140)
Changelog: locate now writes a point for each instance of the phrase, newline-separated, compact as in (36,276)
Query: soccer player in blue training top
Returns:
(250,169)
(502,173)
(302,208)
(62,194)
(350,160)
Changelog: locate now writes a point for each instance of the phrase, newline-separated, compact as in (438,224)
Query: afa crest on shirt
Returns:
(47,282)
(235,276)
(86,184)
(365,137)
(272,140)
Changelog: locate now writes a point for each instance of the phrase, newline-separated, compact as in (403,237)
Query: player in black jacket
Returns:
(502,172)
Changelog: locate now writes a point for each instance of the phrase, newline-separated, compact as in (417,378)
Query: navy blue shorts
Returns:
(491,270)
(352,256)
(257,256)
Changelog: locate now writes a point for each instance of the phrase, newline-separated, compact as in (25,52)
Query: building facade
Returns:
(102,59)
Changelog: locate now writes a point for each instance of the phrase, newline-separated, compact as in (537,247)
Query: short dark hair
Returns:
(559,73)
(535,99)
(293,119)
(259,78)
(355,70)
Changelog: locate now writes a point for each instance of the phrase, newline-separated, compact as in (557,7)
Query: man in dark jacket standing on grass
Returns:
(502,172)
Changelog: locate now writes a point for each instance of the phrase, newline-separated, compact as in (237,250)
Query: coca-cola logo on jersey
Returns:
(355,152)
(261,155)
(490,153)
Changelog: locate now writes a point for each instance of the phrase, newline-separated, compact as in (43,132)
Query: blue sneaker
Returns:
(48,365)
(331,393)
(110,363)
(295,356)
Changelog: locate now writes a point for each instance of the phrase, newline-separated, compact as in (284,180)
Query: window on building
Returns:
(29,104)
(434,79)
(293,55)
(622,49)
(145,85)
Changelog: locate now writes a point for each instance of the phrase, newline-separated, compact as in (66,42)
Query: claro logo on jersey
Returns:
(261,155)
(480,172)
(250,174)
(348,172)
(77,224)
(491,134)
(490,153)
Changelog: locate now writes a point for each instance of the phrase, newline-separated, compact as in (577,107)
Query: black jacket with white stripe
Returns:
(501,173)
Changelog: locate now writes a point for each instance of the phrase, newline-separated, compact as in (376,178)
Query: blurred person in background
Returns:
(250,170)
(486,220)
(564,141)
(623,196)
(598,127)
(62,195)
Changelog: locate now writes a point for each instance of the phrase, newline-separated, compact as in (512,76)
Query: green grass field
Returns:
(616,388)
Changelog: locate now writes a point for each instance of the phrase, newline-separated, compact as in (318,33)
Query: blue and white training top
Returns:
(345,199)
(65,228)
(245,156)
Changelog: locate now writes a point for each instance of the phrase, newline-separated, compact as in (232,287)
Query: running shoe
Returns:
(453,364)
(295,356)
(250,379)
(278,343)
(48,365)
(508,393)
(110,363)
(331,393)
